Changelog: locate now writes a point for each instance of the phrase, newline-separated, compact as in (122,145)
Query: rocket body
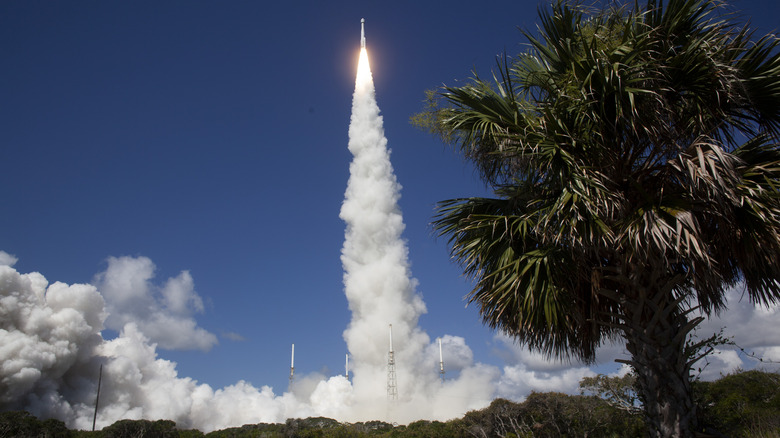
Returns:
(362,33)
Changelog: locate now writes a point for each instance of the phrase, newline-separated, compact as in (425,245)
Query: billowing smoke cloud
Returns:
(51,350)
(47,335)
(52,336)
(164,314)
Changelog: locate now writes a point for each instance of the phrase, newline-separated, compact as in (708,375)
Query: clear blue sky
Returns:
(211,137)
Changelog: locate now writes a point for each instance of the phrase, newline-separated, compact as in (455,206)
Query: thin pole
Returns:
(97,398)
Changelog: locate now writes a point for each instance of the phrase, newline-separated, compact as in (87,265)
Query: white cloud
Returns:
(7,259)
(164,314)
(232,336)
(179,295)
(751,326)
(756,329)
(534,360)
(771,355)
(519,381)
(717,363)
(528,371)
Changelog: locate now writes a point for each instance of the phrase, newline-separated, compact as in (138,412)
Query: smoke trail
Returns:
(381,291)
(377,280)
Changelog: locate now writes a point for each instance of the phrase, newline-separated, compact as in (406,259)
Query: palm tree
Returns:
(634,159)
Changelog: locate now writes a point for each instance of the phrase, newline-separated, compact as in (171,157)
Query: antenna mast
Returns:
(392,387)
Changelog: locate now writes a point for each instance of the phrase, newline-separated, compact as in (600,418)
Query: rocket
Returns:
(362,33)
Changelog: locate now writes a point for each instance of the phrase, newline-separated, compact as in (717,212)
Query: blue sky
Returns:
(211,137)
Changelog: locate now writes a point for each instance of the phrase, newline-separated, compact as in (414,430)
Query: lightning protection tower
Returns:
(392,386)
(441,363)
(292,367)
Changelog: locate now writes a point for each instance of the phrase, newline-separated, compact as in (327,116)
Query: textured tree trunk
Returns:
(656,334)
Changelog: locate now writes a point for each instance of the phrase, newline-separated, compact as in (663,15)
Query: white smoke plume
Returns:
(380,289)
(7,259)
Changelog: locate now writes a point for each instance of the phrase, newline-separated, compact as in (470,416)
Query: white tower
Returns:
(441,363)
(392,386)
(292,366)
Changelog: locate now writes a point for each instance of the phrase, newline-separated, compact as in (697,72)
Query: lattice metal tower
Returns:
(392,385)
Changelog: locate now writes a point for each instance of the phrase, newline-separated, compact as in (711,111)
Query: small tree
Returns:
(619,391)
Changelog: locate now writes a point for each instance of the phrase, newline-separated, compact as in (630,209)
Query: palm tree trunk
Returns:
(656,331)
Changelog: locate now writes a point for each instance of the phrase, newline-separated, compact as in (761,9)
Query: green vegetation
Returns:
(139,428)
(634,156)
(742,404)
(22,424)
(552,415)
